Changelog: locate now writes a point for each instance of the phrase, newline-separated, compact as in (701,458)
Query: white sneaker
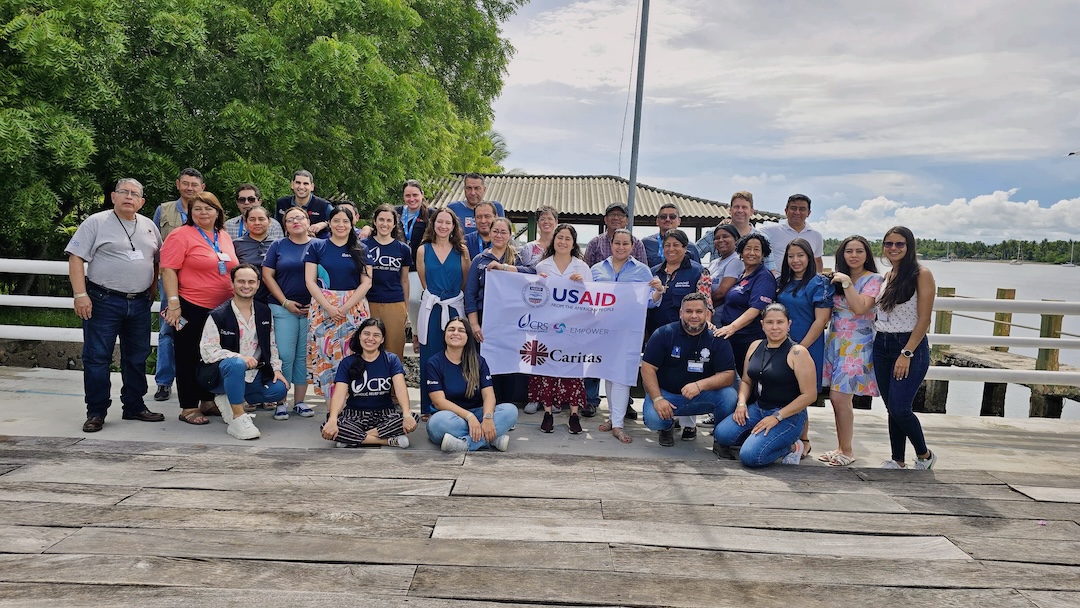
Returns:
(282,412)
(401,441)
(242,427)
(531,407)
(891,464)
(794,457)
(454,444)
(925,465)
(501,443)
(223,405)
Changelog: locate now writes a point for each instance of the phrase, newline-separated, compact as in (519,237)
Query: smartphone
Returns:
(179,325)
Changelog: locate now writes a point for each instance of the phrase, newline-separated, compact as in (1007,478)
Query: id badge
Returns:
(135,255)
(695,367)
(221,268)
(224,257)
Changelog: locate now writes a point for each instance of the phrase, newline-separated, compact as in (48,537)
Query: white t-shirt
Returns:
(781,234)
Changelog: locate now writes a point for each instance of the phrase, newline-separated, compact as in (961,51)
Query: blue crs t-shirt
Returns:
(386,264)
(442,375)
(372,390)
(337,261)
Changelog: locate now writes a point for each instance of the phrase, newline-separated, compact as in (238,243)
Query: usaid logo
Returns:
(534,294)
(527,323)
(585,298)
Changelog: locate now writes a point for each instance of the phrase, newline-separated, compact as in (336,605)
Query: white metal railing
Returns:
(1060,378)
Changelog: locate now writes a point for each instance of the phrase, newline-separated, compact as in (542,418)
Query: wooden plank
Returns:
(420,506)
(31,539)
(356,522)
(947,490)
(991,508)
(46,595)
(945,476)
(1038,479)
(1052,599)
(793,518)
(183,572)
(714,591)
(222,479)
(797,570)
(65,492)
(7,468)
(686,535)
(333,548)
(671,492)
(1062,552)
(1045,494)
(28,441)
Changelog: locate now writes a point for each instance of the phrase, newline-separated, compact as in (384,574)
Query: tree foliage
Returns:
(364,93)
(1044,251)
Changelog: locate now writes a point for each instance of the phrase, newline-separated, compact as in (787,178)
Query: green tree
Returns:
(363,93)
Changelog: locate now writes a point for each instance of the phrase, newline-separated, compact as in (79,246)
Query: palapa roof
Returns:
(583,198)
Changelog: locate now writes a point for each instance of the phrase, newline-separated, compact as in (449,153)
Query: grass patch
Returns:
(44,317)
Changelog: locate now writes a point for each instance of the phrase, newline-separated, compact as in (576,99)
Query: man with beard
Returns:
(686,371)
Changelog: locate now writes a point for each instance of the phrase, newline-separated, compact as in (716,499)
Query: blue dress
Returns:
(444,280)
(802,308)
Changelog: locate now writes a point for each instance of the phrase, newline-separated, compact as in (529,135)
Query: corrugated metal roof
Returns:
(585,196)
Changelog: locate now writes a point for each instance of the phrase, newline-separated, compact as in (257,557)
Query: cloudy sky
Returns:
(951,117)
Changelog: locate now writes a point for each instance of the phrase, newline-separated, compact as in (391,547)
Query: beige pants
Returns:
(393,316)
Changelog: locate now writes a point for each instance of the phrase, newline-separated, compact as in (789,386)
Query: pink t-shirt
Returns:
(196,264)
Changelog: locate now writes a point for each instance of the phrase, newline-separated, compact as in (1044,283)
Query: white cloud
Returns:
(757,180)
(989,217)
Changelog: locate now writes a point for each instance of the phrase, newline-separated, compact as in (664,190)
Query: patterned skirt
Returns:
(329,342)
(547,390)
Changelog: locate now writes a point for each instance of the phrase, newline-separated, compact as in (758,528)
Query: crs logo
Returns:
(383,262)
(370,385)
(560,328)
(527,323)
(534,294)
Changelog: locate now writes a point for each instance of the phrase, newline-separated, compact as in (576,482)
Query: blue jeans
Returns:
(235,385)
(444,422)
(165,371)
(592,391)
(761,449)
(112,317)
(720,403)
(291,334)
(899,395)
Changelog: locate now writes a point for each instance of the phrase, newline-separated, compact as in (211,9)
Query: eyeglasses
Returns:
(894,244)
(296,220)
(247,199)
(501,232)
(131,193)
(668,216)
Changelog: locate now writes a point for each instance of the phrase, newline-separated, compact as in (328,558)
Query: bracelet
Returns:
(660,398)
(174,308)
(174,298)
(742,405)
(80,295)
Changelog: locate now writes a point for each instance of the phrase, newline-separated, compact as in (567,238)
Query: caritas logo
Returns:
(585,298)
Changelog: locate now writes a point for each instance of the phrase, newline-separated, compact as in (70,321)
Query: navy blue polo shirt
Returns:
(682,359)
(442,375)
(386,264)
(337,261)
(318,209)
(372,389)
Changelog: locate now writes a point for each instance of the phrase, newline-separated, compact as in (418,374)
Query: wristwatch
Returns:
(907,353)
(845,284)
(489,416)
(779,417)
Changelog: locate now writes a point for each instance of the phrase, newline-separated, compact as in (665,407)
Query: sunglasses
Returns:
(247,199)
(894,244)
(667,216)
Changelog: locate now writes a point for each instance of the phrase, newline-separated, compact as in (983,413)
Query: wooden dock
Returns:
(90,522)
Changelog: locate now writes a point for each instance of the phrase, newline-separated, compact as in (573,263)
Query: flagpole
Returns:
(631,195)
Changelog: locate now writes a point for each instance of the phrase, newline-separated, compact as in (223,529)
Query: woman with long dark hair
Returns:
(753,291)
(340,262)
(390,259)
(442,263)
(901,351)
(361,409)
(849,350)
(459,384)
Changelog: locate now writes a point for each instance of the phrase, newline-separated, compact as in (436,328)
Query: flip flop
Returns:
(827,456)
(618,433)
(604,426)
(194,418)
(840,460)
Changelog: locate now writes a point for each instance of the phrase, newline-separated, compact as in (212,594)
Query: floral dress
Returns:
(849,353)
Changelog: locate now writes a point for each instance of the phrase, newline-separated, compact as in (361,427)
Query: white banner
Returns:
(568,329)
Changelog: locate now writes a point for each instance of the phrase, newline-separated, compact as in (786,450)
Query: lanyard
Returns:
(213,244)
(130,242)
(408,222)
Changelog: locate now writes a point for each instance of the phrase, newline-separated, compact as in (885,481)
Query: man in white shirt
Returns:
(779,235)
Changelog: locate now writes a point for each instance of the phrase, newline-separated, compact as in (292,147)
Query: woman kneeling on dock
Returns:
(901,352)
(785,377)
(459,385)
(361,409)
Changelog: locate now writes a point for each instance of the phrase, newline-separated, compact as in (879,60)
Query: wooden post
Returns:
(1003,319)
(1042,405)
(993,399)
(937,391)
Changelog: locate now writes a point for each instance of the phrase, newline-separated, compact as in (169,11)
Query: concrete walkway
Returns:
(48,403)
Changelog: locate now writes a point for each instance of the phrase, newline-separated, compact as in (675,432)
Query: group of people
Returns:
(303,296)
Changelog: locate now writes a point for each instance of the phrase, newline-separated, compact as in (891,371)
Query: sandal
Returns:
(618,433)
(209,408)
(605,426)
(840,460)
(827,456)
(806,452)
(193,417)
(251,407)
